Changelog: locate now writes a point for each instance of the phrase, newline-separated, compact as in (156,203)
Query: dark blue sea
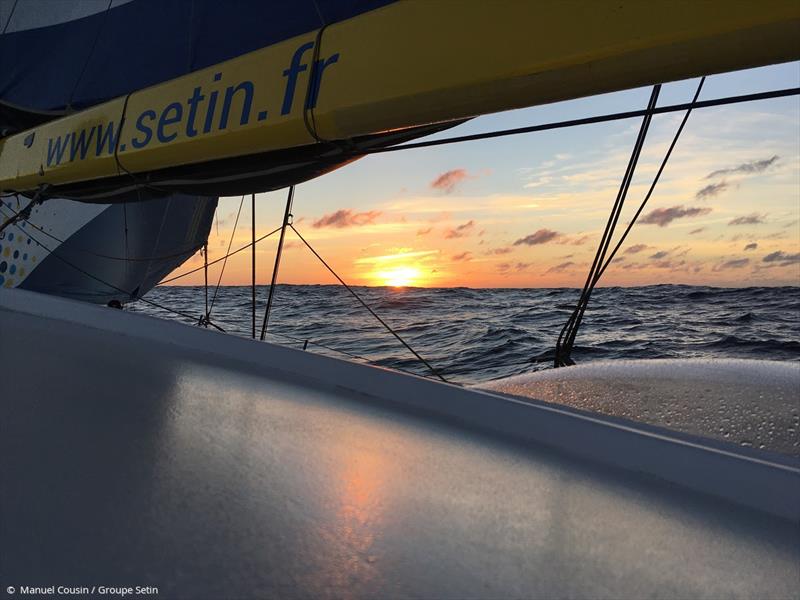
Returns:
(476,335)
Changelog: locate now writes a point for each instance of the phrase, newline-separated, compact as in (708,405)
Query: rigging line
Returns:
(314,72)
(52,252)
(365,305)
(11,14)
(23,214)
(563,354)
(191,250)
(568,326)
(220,259)
(655,181)
(346,353)
(782,93)
(253,258)
(225,262)
(568,332)
(89,56)
(287,215)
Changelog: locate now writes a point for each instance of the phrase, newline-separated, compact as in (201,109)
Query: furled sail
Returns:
(254,96)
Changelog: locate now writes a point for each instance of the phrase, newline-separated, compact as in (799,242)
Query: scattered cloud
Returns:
(781,258)
(460,231)
(461,257)
(345,217)
(711,190)
(696,231)
(499,251)
(736,263)
(660,254)
(751,219)
(754,166)
(664,216)
(560,268)
(448,181)
(425,231)
(542,236)
(635,249)
(752,246)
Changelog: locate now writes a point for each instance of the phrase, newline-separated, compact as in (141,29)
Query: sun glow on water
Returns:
(399,276)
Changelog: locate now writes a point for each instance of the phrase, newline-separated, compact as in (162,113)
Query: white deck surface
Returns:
(133,459)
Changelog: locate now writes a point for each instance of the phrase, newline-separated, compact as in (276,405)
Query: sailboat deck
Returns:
(131,457)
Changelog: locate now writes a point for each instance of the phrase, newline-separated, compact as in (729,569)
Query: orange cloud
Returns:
(460,231)
(449,180)
(664,216)
(346,218)
(751,219)
(542,236)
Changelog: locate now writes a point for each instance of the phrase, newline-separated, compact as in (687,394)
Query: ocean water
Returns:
(478,335)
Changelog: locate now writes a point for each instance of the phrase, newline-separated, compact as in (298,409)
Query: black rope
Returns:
(566,338)
(306,342)
(220,259)
(11,14)
(89,56)
(191,250)
(25,212)
(653,185)
(365,305)
(224,263)
(69,263)
(287,215)
(782,93)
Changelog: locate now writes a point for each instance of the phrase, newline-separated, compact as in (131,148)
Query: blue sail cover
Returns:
(51,61)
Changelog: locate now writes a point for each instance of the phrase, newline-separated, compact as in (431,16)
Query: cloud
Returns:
(346,218)
(755,166)
(424,231)
(698,230)
(736,263)
(636,248)
(499,251)
(460,231)
(449,180)
(521,266)
(560,268)
(542,236)
(664,216)
(462,256)
(751,219)
(661,254)
(711,190)
(782,258)
(752,246)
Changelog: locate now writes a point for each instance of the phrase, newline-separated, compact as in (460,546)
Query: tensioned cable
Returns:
(189,251)
(225,262)
(220,259)
(89,56)
(52,252)
(369,309)
(346,353)
(568,332)
(782,93)
(11,14)
(653,185)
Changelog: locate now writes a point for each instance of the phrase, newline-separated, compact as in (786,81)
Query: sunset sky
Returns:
(528,210)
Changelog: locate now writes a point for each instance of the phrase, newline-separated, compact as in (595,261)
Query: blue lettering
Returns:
(295,68)
(80,144)
(145,129)
(165,120)
(106,139)
(247,88)
(56,148)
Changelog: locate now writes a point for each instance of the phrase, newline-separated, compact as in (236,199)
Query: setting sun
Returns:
(399,276)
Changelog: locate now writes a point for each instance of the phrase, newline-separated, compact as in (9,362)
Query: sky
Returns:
(529,210)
